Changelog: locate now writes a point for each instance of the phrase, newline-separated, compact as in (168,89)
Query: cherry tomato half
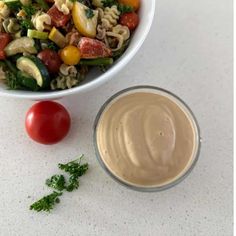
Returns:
(47,122)
(131,20)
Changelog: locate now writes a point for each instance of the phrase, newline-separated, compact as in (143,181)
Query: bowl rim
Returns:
(95,82)
(168,185)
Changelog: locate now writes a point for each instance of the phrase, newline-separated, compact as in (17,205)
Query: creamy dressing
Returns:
(146,139)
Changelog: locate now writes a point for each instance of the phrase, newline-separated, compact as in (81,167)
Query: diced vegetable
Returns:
(70,55)
(57,37)
(4,40)
(97,62)
(92,48)
(34,67)
(21,45)
(87,26)
(37,34)
(57,17)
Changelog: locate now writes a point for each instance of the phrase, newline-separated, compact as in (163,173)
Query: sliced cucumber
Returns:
(27,81)
(37,34)
(35,68)
(20,45)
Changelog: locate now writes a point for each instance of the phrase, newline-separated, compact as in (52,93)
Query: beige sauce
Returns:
(146,139)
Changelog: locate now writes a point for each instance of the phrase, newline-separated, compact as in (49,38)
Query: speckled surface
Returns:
(189,51)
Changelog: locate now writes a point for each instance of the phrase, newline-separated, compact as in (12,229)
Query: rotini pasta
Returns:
(65,6)
(97,3)
(4,10)
(68,70)
(10,25)
(120,33)
(25,2)
(2,74)
(40,20)
(63,82)
(108,17)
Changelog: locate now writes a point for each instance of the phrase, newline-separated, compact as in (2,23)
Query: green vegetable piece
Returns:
(57,182)
(27,81)
(13,5)
(11,67)
(96,62)
(43,4)
(37,34)
(109,3)
(125,9)
(29,10)
(46,203)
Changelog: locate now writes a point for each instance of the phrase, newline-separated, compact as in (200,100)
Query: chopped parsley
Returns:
(89,13)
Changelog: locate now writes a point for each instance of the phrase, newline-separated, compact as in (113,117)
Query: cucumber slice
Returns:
(27,81)
(35,68)
(37,34)
(20,45)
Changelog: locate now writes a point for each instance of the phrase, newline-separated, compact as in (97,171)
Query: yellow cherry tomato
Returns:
(132,3)
(70,55)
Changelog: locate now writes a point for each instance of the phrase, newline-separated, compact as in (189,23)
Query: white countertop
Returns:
(189,52)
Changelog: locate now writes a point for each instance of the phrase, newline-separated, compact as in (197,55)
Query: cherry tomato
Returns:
(47,122)
(92,48)
(133,3)
(4,40)
(70,55)
(131,20)
(57,17)
(51,60)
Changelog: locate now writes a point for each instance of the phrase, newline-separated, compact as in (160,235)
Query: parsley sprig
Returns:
(46,203)
(58,182)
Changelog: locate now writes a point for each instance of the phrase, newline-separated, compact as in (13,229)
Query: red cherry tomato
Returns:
(57,17)
(51,60)
(47,122)
(4,40)
(131,20)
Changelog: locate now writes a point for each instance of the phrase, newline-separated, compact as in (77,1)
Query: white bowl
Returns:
(95,77)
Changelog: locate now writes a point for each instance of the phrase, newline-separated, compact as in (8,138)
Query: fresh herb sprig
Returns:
(58,182)
(46,203)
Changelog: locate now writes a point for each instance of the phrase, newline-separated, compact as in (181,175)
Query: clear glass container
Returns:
(175,99)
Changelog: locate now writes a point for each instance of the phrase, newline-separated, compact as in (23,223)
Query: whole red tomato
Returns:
(51,60)
(47,122)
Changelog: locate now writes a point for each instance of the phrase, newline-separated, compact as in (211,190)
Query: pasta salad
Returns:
(52,44)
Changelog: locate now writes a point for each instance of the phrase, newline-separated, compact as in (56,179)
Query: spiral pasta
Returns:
(64,6)
(109,16)
(40,20)
(2,74)
(10,25)
(121,33)
(4,10)
(63,82)
(97,3)
(68,70)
